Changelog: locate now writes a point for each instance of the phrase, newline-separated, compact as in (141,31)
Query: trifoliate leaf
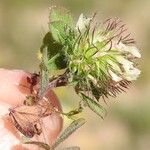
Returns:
(57,62)
(60,20)
(53,47)
(94,106)
(56,57)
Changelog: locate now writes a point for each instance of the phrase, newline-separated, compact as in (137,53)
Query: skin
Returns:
(11,95)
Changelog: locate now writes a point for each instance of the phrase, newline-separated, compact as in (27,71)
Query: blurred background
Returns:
(23,24)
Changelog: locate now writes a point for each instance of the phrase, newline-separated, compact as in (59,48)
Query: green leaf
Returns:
(52,46)
(57,62)
(74,112)
(40,144)
(54,40)
(59,20)
(95,91)
(71,148)
(55,54)
(94,106)
(44,72)
(69,130)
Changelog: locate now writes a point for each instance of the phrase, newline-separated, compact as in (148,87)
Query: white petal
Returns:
(98,38)
(125,63)
(114,76)
(82,23)
(133,74)
(114,65)
(120,46)
(131,49)
(134,51)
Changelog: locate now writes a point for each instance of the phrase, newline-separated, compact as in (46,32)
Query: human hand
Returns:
(11,94)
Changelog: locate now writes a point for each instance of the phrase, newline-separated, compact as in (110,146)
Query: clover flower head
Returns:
(103,56)
(100,57)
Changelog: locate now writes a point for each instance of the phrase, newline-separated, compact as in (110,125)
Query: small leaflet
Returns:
(59,20)
(71,148)
(40,144)
(44,72)
(69,130)
(94,106)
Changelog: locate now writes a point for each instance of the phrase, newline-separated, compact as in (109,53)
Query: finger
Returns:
(11,91)
(9,137)
(50,129)
(13,94)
